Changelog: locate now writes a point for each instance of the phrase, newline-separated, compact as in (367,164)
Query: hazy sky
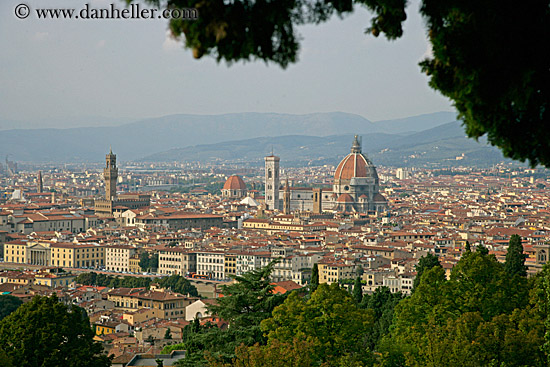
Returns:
(84,70)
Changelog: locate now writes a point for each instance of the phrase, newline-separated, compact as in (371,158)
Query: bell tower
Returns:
(272,182)
(110,173)
(317,201)
(39,184)
(286,198)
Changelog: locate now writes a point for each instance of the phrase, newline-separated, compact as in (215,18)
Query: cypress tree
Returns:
(357,290)
(515,258)
(314,278)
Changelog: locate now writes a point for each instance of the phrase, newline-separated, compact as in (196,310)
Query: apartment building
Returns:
(177,260)
(117,257)
(211,264)
(335,271)
(77,255)
(164,305)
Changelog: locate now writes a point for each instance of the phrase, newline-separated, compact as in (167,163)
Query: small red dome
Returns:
(379,198)
(345,198)
(234,183)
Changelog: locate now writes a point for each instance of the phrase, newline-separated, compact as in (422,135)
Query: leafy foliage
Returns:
(330,322)
(515,258)
(176,283)
(488,59)
(478,317)
(148,262)
(8,304)
(357,290)
(266,30)
(314,278)
(5,360)
(249,300)
(382,302)
(294,353)
(499,83)
(425,263)
(245,304)
(45,332)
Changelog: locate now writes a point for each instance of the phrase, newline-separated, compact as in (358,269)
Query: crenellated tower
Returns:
(39,184)
(110,173)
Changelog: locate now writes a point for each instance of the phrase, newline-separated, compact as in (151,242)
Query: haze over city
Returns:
(67,73)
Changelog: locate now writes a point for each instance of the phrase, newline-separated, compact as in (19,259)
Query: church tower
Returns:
(286,199)
(40,187)
(110,173)
(272,182)
(317,201)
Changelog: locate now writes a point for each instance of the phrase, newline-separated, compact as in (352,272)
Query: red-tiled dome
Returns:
(353,165)
(234,183)
(345,198)
(379,198)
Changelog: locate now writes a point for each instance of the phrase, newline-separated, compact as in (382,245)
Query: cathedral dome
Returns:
(345,198)
(354,164)
(234,183)
(379,198)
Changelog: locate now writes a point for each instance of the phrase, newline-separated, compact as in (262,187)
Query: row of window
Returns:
(210,267)
(210,260)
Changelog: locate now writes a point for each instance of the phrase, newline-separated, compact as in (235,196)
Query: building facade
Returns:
(117,257)
(272,182)
(177,260)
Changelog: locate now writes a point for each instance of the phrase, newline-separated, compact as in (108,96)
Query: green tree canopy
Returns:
(148,262)
(293,353)
(488,59)
(8,304)
(357,290)
(244,305)
(330,321)
(314,278)
(382,302)
(5,360)
(176,283)
(515,258)
(249,300)
(475,318)
(144,261)
(47,333)
(425,263)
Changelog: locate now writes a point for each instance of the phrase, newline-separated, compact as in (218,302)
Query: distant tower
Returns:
(39,188)
(317,201)
(272,182)
(286,198)
(110,173)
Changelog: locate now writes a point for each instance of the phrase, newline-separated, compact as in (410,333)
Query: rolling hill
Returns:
(440,145)
(131,141)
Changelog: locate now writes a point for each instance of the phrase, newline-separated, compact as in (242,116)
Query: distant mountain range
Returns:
(319,137)
(439,146)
